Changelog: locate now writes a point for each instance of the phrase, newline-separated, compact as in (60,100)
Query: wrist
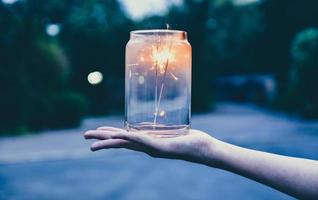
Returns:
(217,153)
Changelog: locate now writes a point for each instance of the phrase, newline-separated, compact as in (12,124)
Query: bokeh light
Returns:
(95,78)
(52,29)
(9,1)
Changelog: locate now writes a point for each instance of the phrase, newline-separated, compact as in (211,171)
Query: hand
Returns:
(196,146)
(273,170)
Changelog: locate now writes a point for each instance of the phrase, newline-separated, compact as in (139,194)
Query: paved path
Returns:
(59,165)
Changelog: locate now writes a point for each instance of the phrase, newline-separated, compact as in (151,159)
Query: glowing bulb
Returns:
(95,78)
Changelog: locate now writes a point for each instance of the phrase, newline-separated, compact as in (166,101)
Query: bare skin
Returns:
(294,176)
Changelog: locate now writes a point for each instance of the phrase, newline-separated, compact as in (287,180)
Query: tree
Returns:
(95,35)
(302,95)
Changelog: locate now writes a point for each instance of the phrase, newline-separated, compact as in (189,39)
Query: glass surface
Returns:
(158,81)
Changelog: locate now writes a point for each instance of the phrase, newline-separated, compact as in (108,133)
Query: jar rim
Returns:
(178,34)
(152,31)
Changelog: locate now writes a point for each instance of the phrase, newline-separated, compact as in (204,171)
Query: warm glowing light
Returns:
(95,78)
(162,113)
(174,76)
(161,58)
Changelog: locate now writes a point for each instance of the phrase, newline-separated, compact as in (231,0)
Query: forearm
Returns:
(294,176)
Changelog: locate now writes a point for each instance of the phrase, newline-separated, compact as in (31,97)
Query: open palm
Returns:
(193,146)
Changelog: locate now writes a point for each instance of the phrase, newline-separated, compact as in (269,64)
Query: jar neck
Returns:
(158,34)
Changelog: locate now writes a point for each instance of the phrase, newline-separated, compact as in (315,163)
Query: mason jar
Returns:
(158,82)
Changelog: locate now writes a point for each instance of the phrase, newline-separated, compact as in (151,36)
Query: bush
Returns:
(63,110)
(302,94)
(69,109)
(13,107)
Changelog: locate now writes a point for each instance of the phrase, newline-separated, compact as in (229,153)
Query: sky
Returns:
(242,2)
(138,9)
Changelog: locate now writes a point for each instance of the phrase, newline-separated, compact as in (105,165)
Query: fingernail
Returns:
(85,135)
(89,131)
(94,147)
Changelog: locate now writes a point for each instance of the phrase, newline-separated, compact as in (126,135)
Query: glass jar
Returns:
(158,82)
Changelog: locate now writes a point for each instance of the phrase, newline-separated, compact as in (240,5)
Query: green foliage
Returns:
(57,111)
(43,79)
(222,36)
(283,20)
(34,74)
(197,13)
(302,95)
(69,110)
(305,52)
(95,34)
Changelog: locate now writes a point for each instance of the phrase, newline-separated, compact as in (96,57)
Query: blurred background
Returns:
(255,69)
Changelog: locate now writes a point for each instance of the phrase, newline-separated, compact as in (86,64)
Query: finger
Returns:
(140,138)
(103,135)
(107,144)
(93,134)
(119,143)
(109,128)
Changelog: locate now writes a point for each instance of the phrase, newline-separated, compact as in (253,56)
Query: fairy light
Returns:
(161,58)
(162,113)
(173,76)
(156,72)
(141,80)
